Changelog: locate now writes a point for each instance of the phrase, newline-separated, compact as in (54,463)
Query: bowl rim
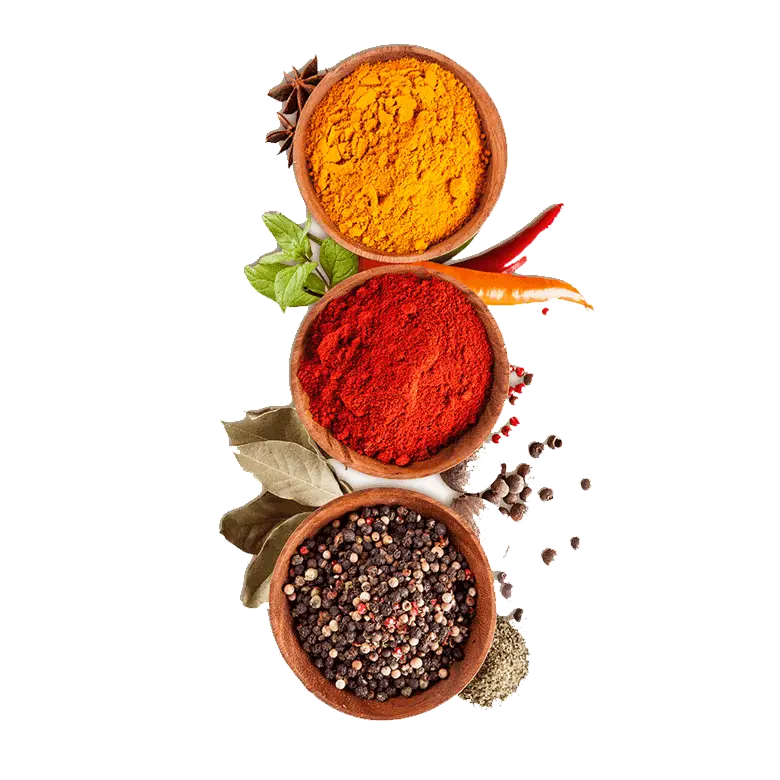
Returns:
(492,128)
(481,629)
(452,454)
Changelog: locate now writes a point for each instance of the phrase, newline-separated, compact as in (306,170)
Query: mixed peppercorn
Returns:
(381,601)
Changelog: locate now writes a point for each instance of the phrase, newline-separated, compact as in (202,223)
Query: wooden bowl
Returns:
(460,449)
(480,631)
(495,140)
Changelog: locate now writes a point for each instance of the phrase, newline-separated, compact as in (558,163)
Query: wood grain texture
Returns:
(481,630)
(450,455)
(492,127)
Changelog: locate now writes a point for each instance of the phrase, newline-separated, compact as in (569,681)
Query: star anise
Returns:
(296,86)
(283,136)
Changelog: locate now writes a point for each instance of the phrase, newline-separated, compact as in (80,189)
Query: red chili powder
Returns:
(398,368)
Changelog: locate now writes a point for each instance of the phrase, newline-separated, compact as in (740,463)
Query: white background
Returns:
(133,177)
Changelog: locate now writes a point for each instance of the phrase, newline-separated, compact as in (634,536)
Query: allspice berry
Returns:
(494,498)
(548,555)
(551,441)
(500,487)
(535,449)
(512,498)
(518,510)
(515,482)
(523,470)
(506,590)
(546,494)
(585,484)
(525,493)
(527,379)
(575,542)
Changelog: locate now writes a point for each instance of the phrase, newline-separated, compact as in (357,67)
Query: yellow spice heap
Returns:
(396,154)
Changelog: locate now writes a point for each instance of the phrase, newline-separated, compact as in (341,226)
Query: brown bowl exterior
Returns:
(481,630)
(450,455)
(492,127)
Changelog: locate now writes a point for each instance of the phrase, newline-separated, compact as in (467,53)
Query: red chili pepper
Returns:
(503,258)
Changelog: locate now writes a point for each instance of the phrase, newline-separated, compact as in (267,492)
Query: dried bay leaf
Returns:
(343,484)
(289,470)
(252,413)
(248,526)
(258,574)
(272,424)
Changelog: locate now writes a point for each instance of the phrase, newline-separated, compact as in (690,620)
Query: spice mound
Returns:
(396,154)
(504,669)
(398,368)
(381,601)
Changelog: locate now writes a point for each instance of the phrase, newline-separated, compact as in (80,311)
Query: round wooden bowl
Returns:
(480,631)
(492,127)
(460,449)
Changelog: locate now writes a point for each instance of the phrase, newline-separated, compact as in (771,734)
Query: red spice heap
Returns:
(397,368)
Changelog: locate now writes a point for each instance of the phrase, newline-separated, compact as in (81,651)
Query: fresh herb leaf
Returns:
(273,257)
(263,276)
(288,285)
(291,237)
(314,284)
(337,262)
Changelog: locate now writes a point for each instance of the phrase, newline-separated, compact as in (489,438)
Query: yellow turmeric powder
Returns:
(396,154)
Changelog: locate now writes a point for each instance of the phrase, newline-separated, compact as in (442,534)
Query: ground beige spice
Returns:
(396,155)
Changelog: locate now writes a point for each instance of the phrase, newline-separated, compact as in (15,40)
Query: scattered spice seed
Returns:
(494,498)
(513,400)
(503,469)
(548,555)
(551,441)
(511,498)
(515,483)
(525,493)
(535,449)
(505,430)
(514,421)
(545,310)
(504,669)
(558,443)
(516,615)
(495,438)
(500,487)
(527,378)
(499,576)
(546,494)
(506,590)
(585,484)
(523,470)
(575,542)
(503,510)
(517,512)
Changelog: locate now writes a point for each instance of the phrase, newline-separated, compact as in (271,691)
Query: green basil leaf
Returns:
(291,237)
(315,284)
(288,284)
(273,257)
(338,263)
(262,277)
